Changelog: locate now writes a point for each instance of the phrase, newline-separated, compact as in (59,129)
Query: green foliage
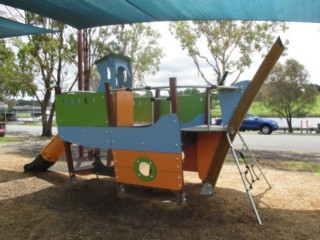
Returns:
(137,41)
(13,78)
(261,110)
(191,91)
(231,44)
(288,92)
(43,57)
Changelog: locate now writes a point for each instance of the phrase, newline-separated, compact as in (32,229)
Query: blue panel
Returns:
(102,67)
(93,137)
(116,70)
(164,136)
(229,100)
(198,120)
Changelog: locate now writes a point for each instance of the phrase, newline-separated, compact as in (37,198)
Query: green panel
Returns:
(164,107)
(191,106)
(142,109)
(81,109)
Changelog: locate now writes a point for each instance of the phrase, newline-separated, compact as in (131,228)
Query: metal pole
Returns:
(80,84)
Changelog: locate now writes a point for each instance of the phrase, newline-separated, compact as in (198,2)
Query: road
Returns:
(301,143)
(27,130)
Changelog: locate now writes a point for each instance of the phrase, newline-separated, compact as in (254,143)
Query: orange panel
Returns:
(124,108)
(165,180)
(207,147)
(169,173)
(164,161)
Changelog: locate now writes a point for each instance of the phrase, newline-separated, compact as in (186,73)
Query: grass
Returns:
(259,109)
(292,165)
(23,115)
(7,139)
(302,166)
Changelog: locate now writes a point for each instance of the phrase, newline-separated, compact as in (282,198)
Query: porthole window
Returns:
(145,169)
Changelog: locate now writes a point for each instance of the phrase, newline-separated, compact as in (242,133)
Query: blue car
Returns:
(255,123)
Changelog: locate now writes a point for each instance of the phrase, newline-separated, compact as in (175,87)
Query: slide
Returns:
(47,157)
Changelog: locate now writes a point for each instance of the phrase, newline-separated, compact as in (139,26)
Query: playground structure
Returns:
(150,139)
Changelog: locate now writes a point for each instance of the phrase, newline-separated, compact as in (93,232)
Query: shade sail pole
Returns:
(80,85)
(80,60)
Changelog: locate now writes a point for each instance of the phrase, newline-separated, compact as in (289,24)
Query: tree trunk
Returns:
(289,122)
(46,123)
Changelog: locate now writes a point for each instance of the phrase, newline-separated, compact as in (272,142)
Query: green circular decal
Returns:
(145,169)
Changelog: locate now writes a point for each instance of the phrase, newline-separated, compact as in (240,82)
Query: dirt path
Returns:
(46,206)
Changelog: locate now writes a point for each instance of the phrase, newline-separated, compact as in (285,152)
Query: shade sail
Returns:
(10,28)
(91,13)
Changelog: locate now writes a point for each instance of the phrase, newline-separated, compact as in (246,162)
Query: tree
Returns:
(44,56)
(137,41)
(225,45)
(288,92)
(13,80)
(191,91)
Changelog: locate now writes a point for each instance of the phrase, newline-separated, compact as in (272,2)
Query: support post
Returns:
(68,152)
(110,105)
(173,95)
(156,106)
(208,103)
(80,80)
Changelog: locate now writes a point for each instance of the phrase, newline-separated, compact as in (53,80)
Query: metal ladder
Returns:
(247,185)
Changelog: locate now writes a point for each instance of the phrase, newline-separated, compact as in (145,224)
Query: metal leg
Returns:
(73,179)
(120,188)
(244,181)
(70,162)
(182,198)
(254,160)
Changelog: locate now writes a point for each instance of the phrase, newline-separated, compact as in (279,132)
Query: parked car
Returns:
(255,123)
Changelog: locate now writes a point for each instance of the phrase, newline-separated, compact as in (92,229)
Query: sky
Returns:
(304,39)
